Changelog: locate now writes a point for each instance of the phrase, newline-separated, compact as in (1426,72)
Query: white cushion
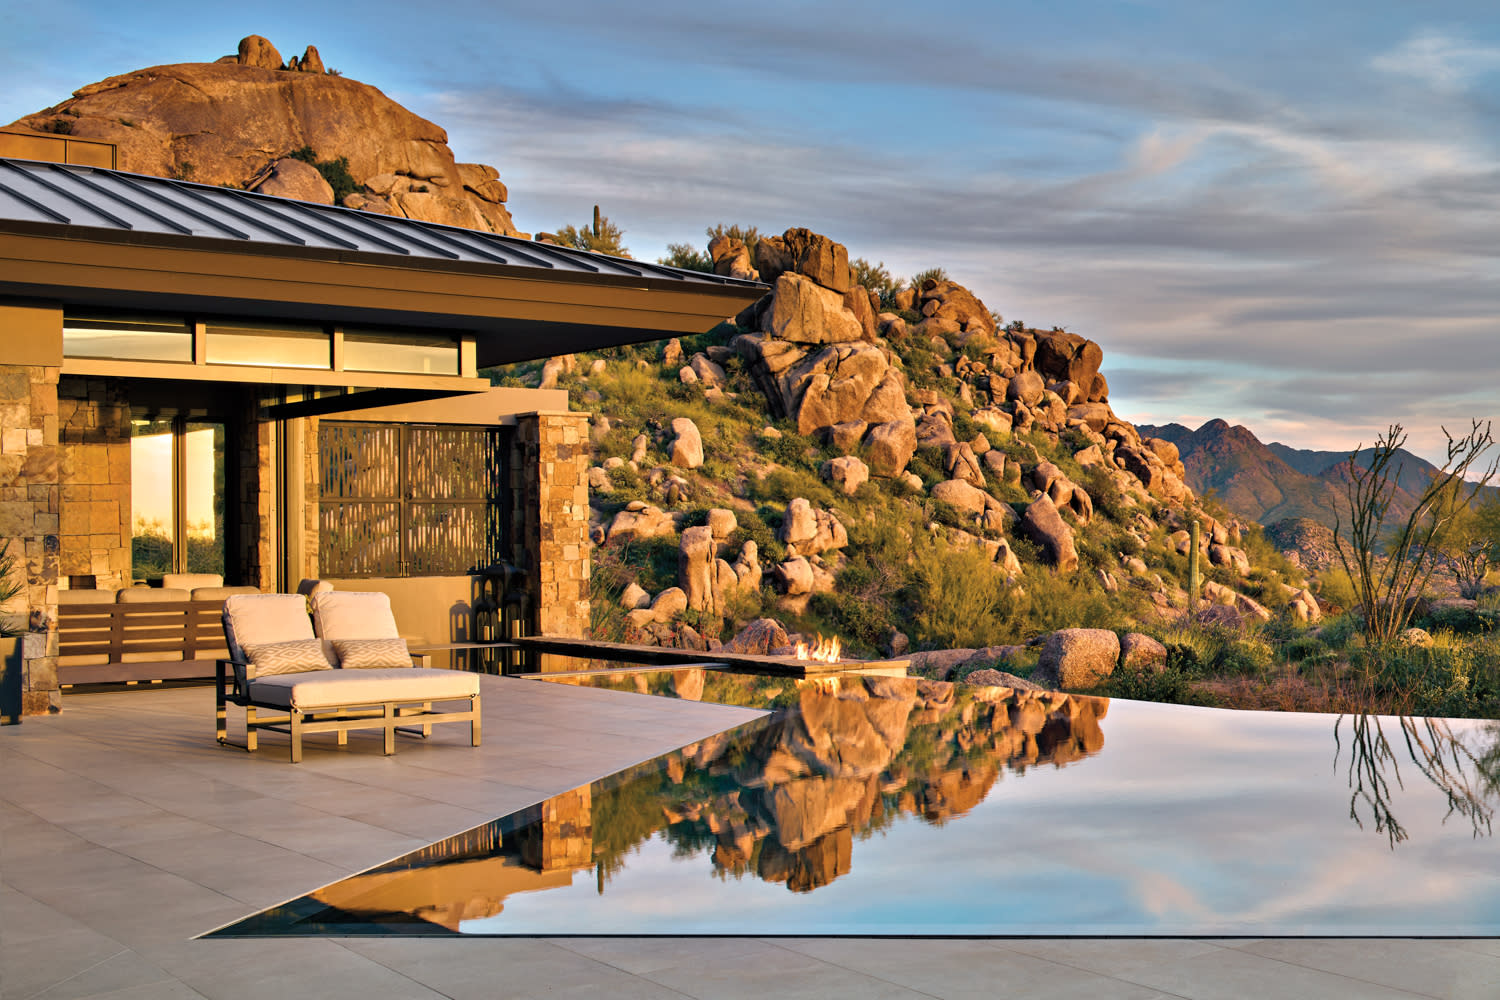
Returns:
(339,689)
(352,614)
(258,619)
(152,595)
(75,598)
(219,593)
(192,581)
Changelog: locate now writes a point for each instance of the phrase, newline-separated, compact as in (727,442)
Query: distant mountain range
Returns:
(1272,482)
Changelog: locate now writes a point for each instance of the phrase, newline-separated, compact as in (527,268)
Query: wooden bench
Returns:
(103,638)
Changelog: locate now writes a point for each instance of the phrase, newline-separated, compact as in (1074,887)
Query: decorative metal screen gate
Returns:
(408,499)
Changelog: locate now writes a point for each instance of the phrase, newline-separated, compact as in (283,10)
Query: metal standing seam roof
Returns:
(113,200)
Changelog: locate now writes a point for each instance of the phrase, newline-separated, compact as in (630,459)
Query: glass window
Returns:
(416,353)
(153,500)
(177,494)
(268,345)
(143,338)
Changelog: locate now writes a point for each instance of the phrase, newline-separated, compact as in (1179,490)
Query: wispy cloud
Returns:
(1441,61)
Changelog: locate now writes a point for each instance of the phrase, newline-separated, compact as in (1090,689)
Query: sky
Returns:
(1282,215)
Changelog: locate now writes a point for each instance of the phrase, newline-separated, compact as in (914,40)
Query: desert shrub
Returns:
(1465,621)
(858,621)
(600,236)
(687,256)
(932,273)
(654,559)
(334,171)
(1305,647)
(1206,650)
(960,599)
(1057,601)
(607,581)
(927,464)
(1166,685)
(875,278)
(790,449)
(964,427)
(784,485)
(743,606)
(1103,491)
(751,527)
(1337,633)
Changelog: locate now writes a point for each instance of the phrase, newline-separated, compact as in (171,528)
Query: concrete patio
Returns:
(126,832)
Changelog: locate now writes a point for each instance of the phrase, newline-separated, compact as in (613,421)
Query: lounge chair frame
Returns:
(232,686)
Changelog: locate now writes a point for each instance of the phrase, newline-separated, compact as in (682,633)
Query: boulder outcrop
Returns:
(1077,658)
(233,122)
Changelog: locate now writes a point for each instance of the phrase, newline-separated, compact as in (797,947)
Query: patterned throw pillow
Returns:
(287,657)
(355,654)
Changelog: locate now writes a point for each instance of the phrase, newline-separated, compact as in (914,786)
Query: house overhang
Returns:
(516,313)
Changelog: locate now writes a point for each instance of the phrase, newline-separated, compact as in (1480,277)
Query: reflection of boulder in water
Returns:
(803,811)
(688,684)
(855,752)
(811,866)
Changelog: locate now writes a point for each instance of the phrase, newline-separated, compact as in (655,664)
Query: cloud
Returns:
(1441,61)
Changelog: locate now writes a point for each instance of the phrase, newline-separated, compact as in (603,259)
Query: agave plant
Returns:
(12,586)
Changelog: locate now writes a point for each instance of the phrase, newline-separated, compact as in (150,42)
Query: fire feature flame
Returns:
(826,651)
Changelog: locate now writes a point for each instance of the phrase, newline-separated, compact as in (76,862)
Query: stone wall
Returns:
(30,517)
(254,490)
(549,469)
(93,418)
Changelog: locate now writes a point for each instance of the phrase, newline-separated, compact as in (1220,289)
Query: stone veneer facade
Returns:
(549,480)
(94,428)
(31,506)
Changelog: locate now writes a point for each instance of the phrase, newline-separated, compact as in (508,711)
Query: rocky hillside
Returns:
(291,128)
(907,475)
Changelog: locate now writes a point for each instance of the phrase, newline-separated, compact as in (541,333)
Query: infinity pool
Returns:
(885,806)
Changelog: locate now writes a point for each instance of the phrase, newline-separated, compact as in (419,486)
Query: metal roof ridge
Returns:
(291,212)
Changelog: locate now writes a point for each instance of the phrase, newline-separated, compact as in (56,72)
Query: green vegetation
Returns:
(603,236)
(685,255)
(877,279)
(334,171)
(12,586)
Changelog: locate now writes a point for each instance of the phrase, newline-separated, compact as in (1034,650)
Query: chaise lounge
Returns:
(354,673)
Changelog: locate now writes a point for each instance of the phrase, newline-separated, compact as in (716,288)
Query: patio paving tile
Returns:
(1431,968)
(1117,958)
(1232,974)
(788,975)
(512,968)
(123,970)
(967,969)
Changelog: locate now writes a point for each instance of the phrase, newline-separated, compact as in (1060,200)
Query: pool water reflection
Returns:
(876,805)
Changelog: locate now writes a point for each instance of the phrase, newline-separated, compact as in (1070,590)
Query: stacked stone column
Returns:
(549,483)
(30,522)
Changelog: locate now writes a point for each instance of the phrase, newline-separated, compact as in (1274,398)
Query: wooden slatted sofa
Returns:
(335,680)
(172,632)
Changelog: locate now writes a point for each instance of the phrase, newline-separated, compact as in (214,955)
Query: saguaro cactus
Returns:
(1194,579)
